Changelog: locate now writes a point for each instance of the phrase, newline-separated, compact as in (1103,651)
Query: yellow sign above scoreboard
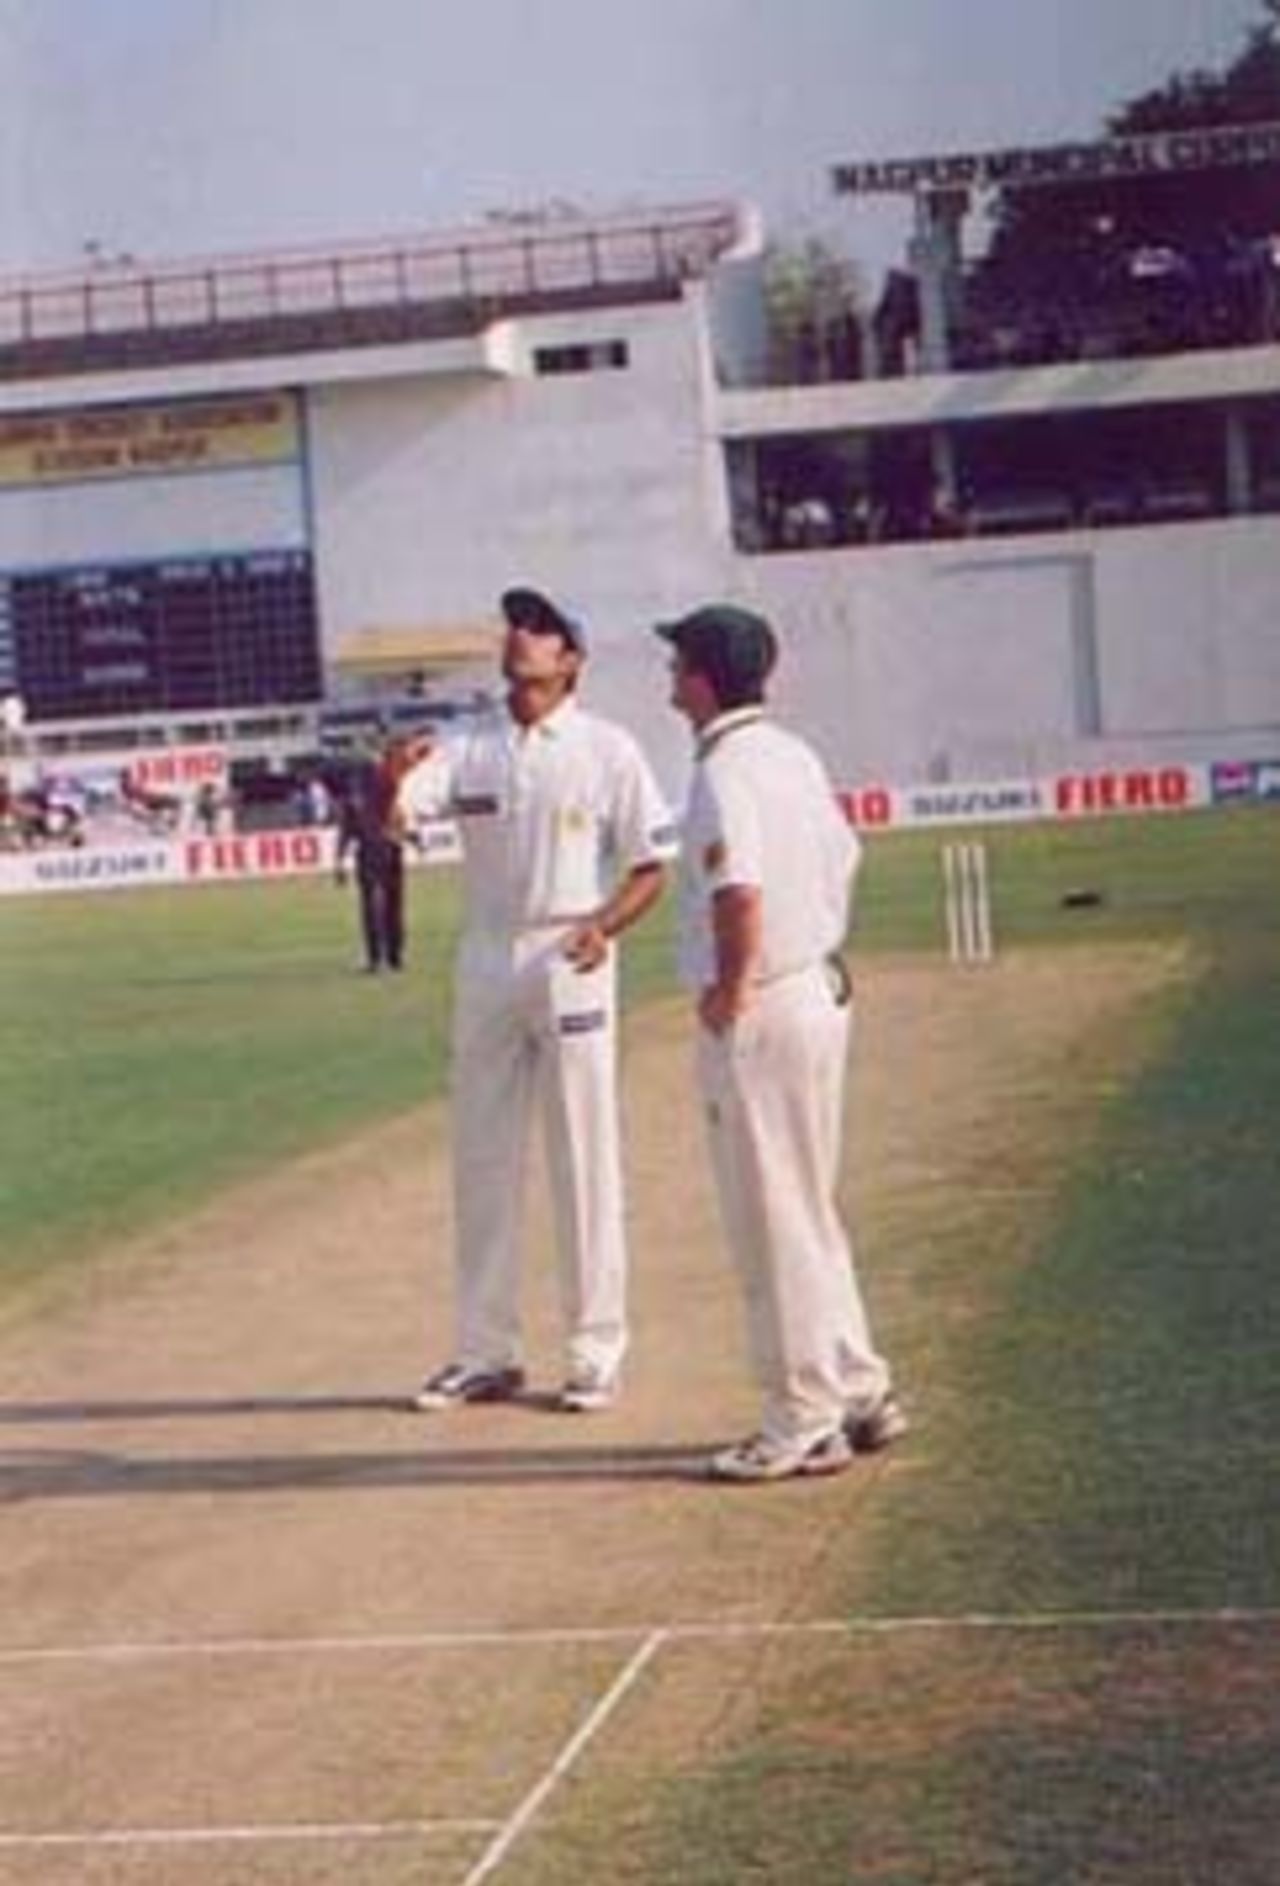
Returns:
(134,441)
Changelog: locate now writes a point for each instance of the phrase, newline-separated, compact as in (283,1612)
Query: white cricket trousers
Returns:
(773,1093)
(532,1034)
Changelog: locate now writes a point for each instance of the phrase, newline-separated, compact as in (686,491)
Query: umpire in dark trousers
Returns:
(368,824)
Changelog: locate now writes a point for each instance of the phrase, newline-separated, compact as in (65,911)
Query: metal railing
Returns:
(480,268)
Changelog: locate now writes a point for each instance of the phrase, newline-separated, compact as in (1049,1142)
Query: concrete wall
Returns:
(977,659)
(432,494)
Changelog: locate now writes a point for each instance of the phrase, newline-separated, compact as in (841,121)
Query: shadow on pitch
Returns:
(68,1473)
(38,1414)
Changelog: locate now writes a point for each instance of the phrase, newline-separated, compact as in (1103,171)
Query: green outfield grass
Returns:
(1201,874)
(161,1043)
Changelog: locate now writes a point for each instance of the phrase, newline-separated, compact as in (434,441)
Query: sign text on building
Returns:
(1227,146)
(127,441)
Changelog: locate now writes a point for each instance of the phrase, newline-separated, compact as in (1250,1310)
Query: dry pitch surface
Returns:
(260,1624)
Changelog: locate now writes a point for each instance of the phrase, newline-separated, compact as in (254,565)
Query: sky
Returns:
(169,128)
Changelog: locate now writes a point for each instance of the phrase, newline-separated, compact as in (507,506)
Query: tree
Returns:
(813,299)
(1083,227)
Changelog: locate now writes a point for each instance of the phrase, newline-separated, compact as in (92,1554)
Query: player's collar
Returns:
(549,726)
(723,725)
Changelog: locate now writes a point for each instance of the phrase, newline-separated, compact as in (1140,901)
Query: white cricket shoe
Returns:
(460,1382)
(760,1458)
(870,1429)
(588,1391)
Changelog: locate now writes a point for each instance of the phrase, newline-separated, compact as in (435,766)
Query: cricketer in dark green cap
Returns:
(733,647)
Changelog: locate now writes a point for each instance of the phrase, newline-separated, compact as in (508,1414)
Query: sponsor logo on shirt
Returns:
(584,1024)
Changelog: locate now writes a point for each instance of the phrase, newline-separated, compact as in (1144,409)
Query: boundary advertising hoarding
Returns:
(1172,788)
(303,851)
(191,859)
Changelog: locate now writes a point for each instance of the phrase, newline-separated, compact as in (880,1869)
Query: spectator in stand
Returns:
(947,517)
(808,524)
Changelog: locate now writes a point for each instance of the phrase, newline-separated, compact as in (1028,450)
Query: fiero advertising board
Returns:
(192,859)
(297,852)
(1057,796)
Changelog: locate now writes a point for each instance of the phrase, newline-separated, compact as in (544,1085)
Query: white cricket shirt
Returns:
(762,812)
(551,816)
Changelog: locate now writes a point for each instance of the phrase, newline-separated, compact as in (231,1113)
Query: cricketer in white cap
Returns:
(564,837)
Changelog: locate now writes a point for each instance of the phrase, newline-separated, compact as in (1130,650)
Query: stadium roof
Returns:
(124,313)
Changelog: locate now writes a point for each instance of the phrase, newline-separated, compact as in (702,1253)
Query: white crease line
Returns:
(628,1633)
(210,1836)
(508,1832)
(304,1646)
(498,1849)
(977,1621)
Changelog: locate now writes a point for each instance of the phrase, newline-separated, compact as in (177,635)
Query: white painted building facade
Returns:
(578,434)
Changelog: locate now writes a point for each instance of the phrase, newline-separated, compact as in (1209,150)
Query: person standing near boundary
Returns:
(369,824)
(564,841)
(766,875)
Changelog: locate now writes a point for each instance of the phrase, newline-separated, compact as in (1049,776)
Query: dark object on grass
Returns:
(1082,899)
